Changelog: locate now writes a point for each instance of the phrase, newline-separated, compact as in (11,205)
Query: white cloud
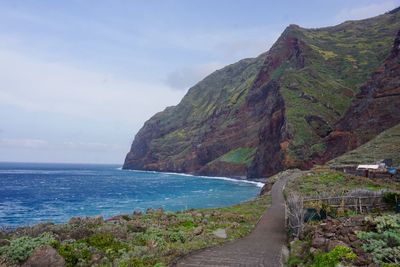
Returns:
(56,87)
(366,11)
(187,77)
(22,143)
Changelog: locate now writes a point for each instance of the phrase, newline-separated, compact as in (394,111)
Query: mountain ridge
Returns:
(261,115)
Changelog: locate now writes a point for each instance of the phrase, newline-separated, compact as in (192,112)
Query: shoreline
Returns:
(257,182)
(10,228)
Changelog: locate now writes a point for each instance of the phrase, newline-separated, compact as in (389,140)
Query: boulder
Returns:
(319,242)
(198,230)
(220,233)
(4,242)
(45,256)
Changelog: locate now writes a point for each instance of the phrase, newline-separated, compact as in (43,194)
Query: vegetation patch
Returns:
(155,238)
(383,242)
(329,182)
(241,155)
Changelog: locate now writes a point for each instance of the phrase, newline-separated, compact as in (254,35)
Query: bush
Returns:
(333,257)
(106,243)
(384,242)
(391,197)
(74,253)
(177,236)
(21,248)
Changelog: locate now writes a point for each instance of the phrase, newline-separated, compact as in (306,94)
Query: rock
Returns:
(95,259)
(319,242)
(234,225)
(266,188)
(285,255)
(329,235)
(198,214)
(298,248)
(314,251)
(137,213)
(75,220)
(362,260)
(198,230)
(136,227)
(4,242)
(220,233)
(45,256)
(352,238)
(149,211)
(159,210)
(357,243)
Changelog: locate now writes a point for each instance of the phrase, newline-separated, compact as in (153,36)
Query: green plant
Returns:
(333,257)
(384,242)
(177,236)
(107,244)
(21,248)
(74,252)
(391,198)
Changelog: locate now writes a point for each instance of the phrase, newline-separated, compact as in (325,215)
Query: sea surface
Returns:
(34,192)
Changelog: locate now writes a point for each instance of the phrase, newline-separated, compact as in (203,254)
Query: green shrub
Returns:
(21,248)
(384,242)
(106,243)
(177,236)
(74,253)
(391,197)
(333,257)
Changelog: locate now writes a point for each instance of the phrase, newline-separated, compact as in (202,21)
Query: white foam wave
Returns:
(258,184)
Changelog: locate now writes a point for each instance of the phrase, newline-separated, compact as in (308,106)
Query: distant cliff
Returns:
(279,110)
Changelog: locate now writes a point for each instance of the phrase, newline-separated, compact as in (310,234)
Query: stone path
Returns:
(263,247)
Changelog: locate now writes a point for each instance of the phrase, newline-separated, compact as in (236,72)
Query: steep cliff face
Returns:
(261,115)
(375,109)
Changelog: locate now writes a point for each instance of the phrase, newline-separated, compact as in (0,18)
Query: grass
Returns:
(385,146)
(241,155)
(329,182)
(152,239)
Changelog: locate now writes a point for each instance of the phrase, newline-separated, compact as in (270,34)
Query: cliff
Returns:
(276,111)
(375,109)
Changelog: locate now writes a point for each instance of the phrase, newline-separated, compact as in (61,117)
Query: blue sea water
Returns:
(31,192)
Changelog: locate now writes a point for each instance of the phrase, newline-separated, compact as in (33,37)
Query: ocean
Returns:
(35,192)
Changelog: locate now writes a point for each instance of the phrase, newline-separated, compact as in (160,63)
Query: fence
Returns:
(359,201)
(358,204)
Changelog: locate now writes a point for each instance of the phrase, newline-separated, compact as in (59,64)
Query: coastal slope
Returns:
(261,115)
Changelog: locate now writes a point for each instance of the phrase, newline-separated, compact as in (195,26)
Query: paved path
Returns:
(263,247)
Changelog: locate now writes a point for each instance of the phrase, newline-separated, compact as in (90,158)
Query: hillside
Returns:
(265,114)
(384,146)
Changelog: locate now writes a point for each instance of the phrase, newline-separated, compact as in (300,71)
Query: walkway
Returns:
(263,247)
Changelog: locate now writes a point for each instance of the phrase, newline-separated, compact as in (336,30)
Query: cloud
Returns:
(56,87)
(92,146)
(187,77)
(366,11)
(22,143)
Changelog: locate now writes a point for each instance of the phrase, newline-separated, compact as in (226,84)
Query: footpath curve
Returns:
(262,247)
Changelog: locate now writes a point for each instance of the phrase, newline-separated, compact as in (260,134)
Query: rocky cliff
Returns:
(276,111)
(375,109)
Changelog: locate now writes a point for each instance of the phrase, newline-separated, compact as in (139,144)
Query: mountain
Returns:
(375,109)
(276,111)
(383,146)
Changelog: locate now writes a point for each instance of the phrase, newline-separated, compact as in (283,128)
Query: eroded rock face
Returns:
(375,109)
(284,109)
(45,256)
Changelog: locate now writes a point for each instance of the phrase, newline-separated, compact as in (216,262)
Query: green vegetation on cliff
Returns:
(385,146)
(284,104)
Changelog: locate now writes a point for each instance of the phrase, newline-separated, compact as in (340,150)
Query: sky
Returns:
(79,78)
